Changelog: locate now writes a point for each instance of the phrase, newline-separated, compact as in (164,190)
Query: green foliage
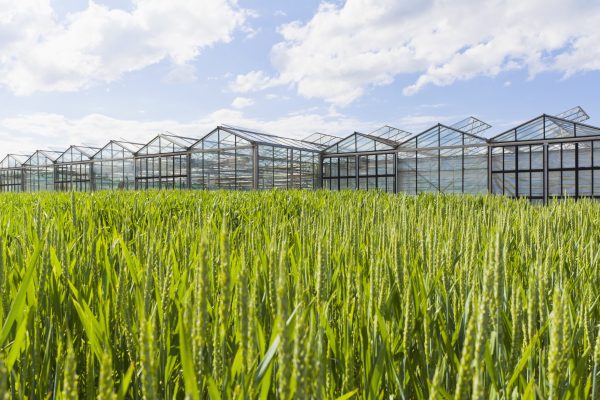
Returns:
(297,295)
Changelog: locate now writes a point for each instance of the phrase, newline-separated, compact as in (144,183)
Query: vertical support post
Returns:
(135,181)
(545,179)
(319,183)
(189,169)
(489,170)
(255,166)
(395,155)
(92,177)
(439,160)
(576,170)
(356,160)
(462,166)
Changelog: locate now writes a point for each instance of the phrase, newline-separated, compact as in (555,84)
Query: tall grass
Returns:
(297,295)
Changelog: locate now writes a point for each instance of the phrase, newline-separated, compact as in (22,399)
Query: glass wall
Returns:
(574,169)
(225,159)
(559,159)
(11,173)
(287,168)
(443,159)
(360,162)
(222,160)
(114,166)
(73,169)
(38,171)
(163,163)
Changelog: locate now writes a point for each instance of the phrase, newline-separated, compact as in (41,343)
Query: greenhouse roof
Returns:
(77,153)
(471,125)
(321,139)
(390,133)
(546,127)
(358,142)
(122,147)
(575,114)
(50,155)
(271,140)
(166,143)
(441,135)
(13,161)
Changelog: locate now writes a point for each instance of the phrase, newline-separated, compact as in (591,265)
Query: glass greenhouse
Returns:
(447,159)
(241,159)
(73,169)
(38,171)
(11,173)
(547,157)
(114,166)
(544,158)
(163,163)
(363,161)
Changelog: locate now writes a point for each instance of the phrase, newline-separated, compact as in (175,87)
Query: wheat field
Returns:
(295,294)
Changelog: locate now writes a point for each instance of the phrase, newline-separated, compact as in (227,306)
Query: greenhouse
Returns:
(447,159)
(547,157)
(241,159)
(363,161)
(38,171)
(550,156)
(114,166)
(73,169)
(163,163)
(11,173)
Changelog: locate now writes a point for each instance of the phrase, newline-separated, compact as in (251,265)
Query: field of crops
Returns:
(297,295)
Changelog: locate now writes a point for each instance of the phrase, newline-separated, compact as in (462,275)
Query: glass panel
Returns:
(556,128)
(347,145)
(510,184)
(537,157)
(554,183)
(568,183)
(568,155)
(451,171)
(537,184)
(524,187)
(585,183)
(407,177)
(497,159)
(530,131)
(427,172)
(584,155)
(364,144)
(523,158)
(554,156)
(509,158)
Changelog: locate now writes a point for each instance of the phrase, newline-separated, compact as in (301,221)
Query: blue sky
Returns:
(84,72)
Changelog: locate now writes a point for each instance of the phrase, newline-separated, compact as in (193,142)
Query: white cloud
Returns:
(345,49)
(40,52)
(242,102)
(417,123)
(24,134)
(183,73)
(252,81)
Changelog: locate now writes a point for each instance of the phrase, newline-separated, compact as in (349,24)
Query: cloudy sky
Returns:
(86,71)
